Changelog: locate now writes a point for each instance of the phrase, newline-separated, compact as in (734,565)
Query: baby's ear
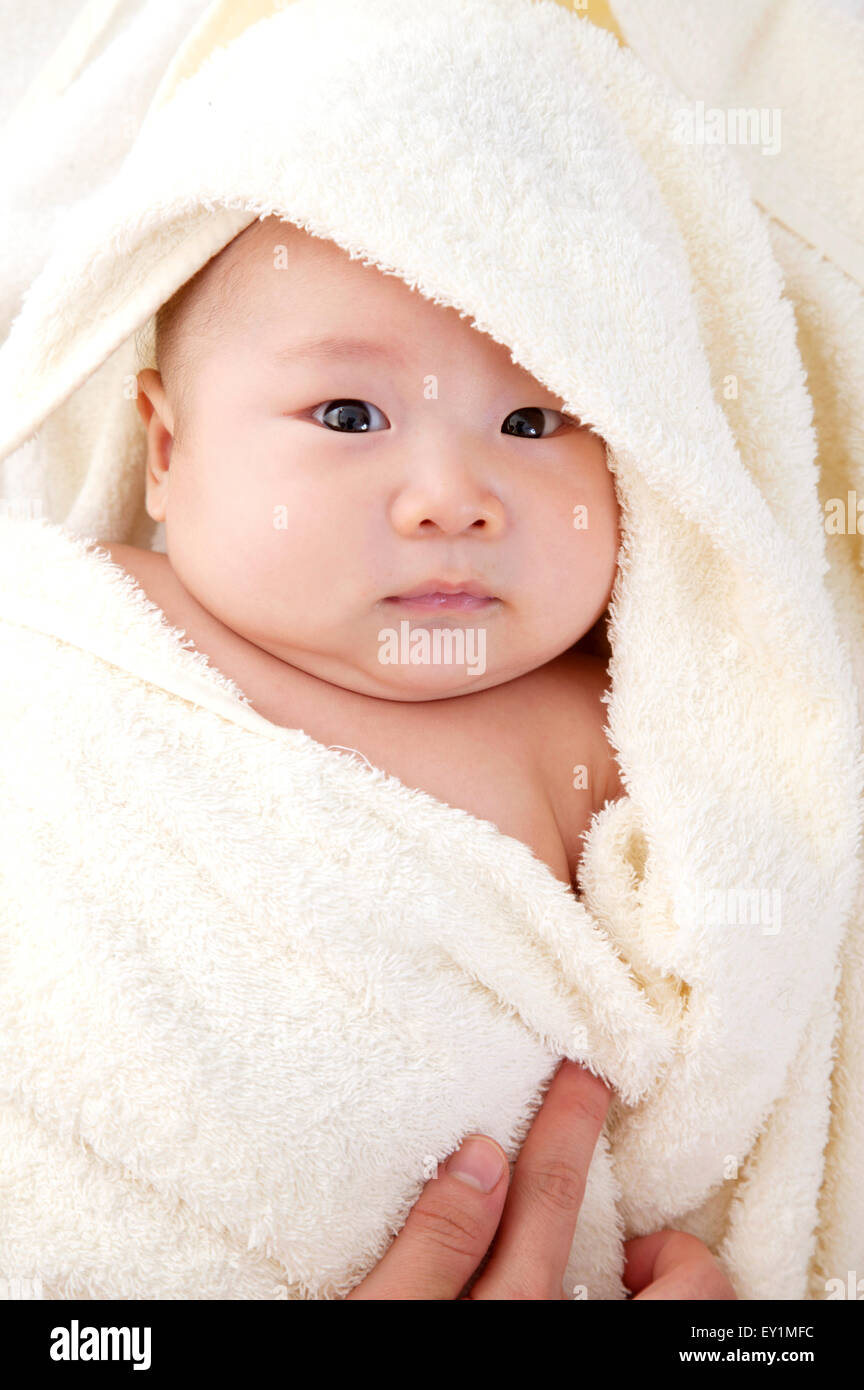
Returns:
(149,393)
(155,410)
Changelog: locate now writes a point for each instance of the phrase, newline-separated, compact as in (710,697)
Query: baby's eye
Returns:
(528,421)
(347,416)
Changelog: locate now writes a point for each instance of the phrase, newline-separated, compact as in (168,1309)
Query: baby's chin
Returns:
(417,683)
(402,682)
(422,662)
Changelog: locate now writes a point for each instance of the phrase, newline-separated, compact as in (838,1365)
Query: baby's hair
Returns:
(174,359)
(192,319)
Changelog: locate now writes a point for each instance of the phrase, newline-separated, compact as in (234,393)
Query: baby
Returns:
(340,464)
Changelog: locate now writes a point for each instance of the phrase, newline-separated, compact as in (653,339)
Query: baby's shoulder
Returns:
(154,576)
(136,561)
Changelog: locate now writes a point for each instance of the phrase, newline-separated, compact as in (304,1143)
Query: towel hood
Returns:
(502,157)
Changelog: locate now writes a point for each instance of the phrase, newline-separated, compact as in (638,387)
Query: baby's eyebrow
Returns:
(331,349)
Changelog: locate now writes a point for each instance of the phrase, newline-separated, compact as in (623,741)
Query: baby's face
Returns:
(315,482)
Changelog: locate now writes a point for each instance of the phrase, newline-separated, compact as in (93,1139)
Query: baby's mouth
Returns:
(439,595)
(466,603)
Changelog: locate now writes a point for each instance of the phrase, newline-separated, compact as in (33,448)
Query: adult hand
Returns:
(532,1218)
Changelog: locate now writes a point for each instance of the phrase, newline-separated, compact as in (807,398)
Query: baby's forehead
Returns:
(276,275)
(280,246)
(241,279)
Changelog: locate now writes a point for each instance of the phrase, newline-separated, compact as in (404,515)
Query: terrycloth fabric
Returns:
(752,56)
(780,63)
(231,1075)
(75,90)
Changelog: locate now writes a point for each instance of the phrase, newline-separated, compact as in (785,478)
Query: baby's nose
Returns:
(451,506)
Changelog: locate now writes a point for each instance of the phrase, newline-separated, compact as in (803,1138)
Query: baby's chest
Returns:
(478,757)
(486,770)
(482,762)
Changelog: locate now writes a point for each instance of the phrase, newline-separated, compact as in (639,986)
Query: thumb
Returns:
(448,1230)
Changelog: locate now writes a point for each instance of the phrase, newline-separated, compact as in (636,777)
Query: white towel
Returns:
(769,66)
(229,1076)
(70,110)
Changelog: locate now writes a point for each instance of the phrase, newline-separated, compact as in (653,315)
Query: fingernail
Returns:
(479,1162)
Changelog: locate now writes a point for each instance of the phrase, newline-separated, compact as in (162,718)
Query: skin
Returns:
(434,487)
(442,492)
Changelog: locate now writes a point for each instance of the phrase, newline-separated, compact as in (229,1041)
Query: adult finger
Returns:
(448,1230)
(536,1230)
(671,1264)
